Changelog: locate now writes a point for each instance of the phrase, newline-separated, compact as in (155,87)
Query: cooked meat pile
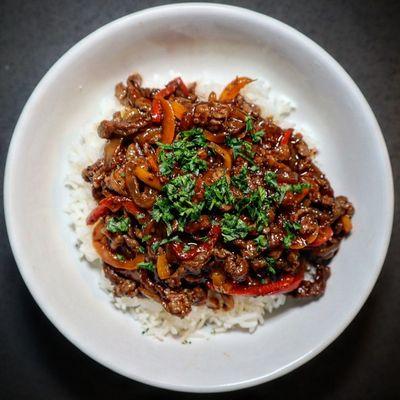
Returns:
(202,200)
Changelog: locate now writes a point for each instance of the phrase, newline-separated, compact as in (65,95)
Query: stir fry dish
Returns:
(201,201)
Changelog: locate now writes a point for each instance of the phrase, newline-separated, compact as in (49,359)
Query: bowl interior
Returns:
(196,42)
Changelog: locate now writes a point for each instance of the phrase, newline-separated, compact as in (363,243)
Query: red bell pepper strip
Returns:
(156,109)
(182,86)
(291,199)
(324,234)
(113,203)
(233,88)
(168,123)
(286,284)
(213,236)
(286,136)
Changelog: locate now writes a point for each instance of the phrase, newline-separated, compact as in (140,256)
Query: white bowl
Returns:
(195,40)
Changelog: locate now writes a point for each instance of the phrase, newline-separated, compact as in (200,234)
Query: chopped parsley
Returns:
(195,136)
(141,249)
(270,179)
(288,239)
(156,245)
(146,238)
(261,242)
(118,225)
(291,228)
(120,257)
(167,162)
(249,123)
(299,187)
(254,168)
(232,228)
(270,264)
(240,148)
(162,211)
(176,203)
(280,193)
(256,137)
(183,153)
(186,248)
(218,194)
(295,226)
(240,180)
(256,206)
(146,265)
(259,205)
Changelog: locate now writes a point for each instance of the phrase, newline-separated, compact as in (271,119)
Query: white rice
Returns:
(248,312)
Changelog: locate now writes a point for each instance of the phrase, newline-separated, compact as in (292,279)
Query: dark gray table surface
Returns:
(37,362)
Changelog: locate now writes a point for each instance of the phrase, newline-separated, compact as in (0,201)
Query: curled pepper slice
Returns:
(162,267)
(224,153)
(156,109)
(107,256)
(324,234)
(114,203)
(215,137)
(286,284)
(147,177)
(168,123)
(179,109)
(233,88)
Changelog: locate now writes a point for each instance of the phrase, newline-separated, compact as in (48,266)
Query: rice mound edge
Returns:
(248,312)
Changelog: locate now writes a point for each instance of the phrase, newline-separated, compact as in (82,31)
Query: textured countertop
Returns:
(37,362)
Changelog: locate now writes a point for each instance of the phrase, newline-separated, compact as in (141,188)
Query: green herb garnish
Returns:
(183,153)
(270,179)
(256,137)
(195,136)
(262,242)
(254,168)
(249,123)
(232,228)
(146,265)
(240,148)
(270,264)
(256,206)
(299,187)
(176,203)
(146,238)
(156,245)
(291,228)
(120,257)
(218,194)
(118,225)
(240,180)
